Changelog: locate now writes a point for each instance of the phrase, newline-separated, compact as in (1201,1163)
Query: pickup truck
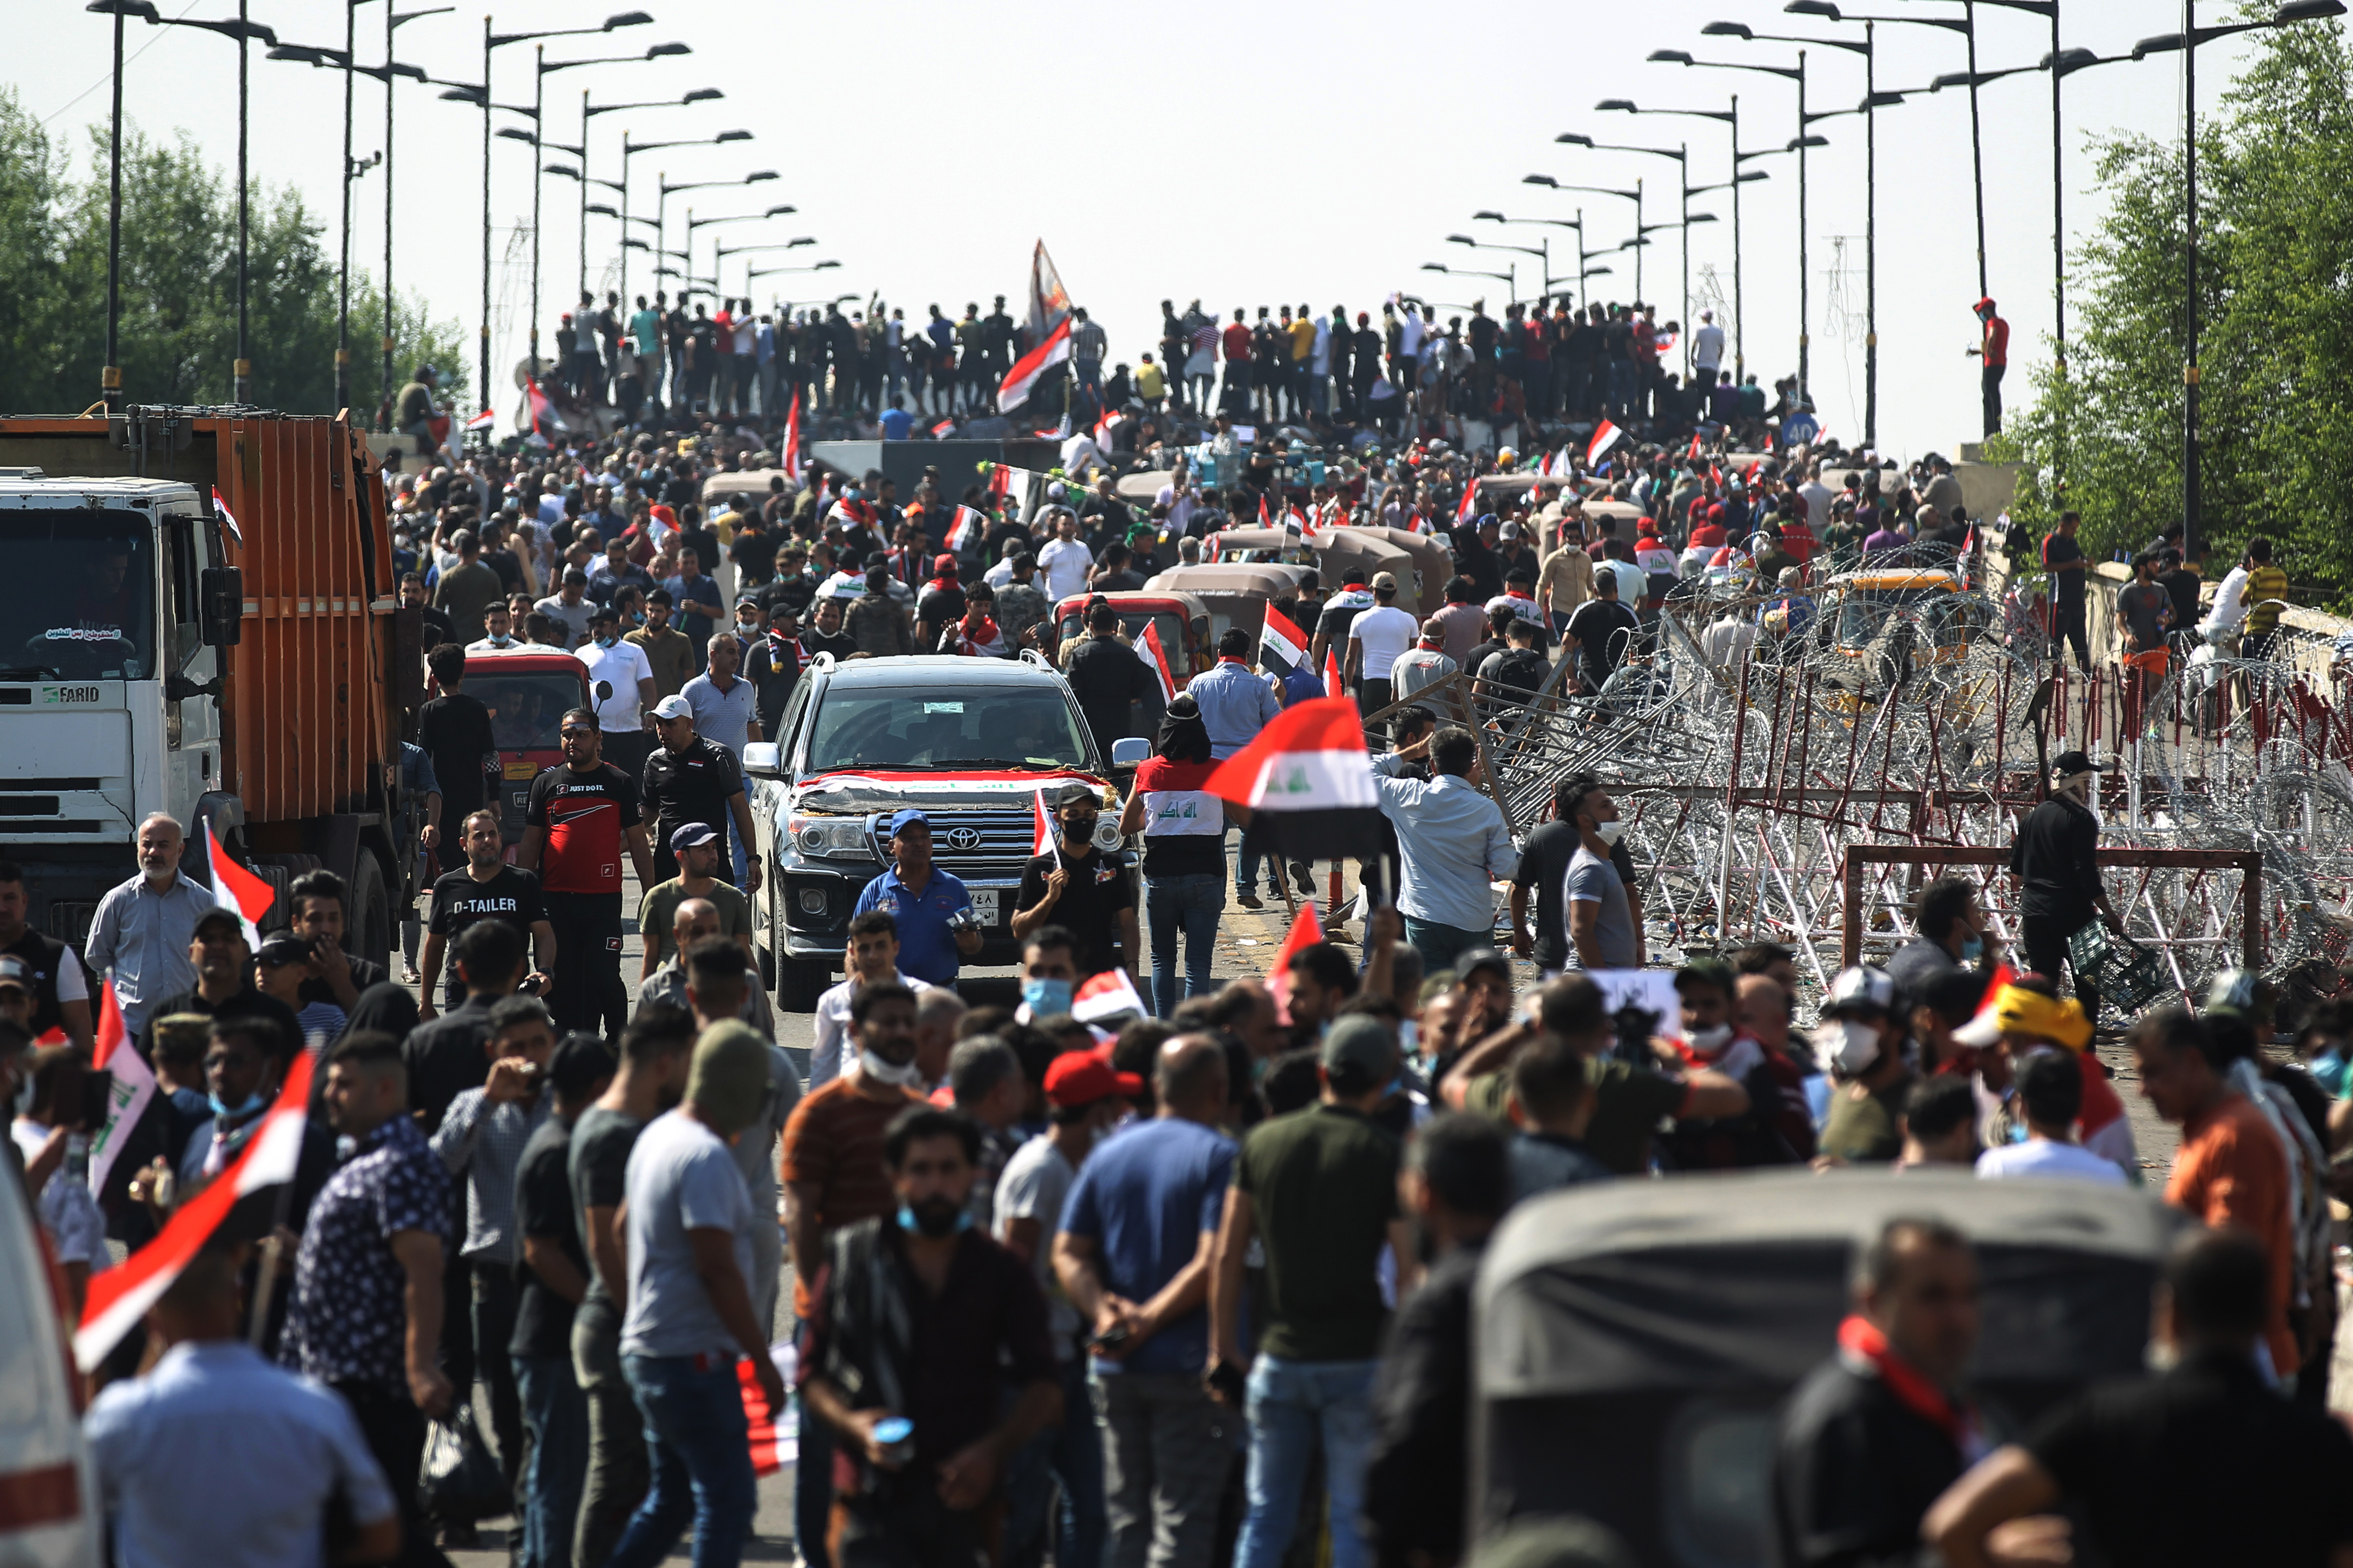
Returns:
(967,742)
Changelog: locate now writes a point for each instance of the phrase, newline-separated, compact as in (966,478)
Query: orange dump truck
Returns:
(197,617)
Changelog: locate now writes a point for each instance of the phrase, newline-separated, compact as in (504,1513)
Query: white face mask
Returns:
(1609,832)
(880,1071)
(1710,1040)
(1848,1045)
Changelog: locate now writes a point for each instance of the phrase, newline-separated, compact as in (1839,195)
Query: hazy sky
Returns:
(1226,152)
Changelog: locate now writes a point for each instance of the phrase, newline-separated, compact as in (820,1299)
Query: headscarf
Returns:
(386,1008)
(1184,735)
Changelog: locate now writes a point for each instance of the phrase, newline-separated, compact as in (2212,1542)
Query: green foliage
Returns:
(2275,304)
(177,336)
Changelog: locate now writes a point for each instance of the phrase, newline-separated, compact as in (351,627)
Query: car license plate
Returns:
(984,905)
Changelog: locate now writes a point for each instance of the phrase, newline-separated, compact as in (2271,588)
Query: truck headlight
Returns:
(830,835)
(812,901)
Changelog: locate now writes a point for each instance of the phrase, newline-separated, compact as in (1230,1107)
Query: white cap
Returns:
(672,707)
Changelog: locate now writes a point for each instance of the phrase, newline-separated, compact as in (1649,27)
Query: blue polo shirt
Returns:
(927,949)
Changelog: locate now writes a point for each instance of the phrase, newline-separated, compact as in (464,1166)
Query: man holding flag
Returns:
(1236,705)
(1076,884)
(143,927)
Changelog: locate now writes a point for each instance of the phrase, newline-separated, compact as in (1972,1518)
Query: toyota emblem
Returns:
(964,838)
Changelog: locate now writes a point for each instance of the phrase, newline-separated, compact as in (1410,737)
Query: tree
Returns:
(177,335)
(2275,302)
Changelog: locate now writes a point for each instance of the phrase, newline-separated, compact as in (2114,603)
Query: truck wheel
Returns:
(799,983)
(370,912)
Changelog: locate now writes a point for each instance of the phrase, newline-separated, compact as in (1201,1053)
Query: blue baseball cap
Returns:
(900,820)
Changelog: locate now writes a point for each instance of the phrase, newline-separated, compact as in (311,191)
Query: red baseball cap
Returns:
(1081,1077)
(946,565)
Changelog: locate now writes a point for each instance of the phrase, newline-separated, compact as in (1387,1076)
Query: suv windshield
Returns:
(78,602)
(969,726)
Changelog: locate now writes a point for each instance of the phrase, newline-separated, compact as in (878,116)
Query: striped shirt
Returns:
(834,1143)
(484,1142)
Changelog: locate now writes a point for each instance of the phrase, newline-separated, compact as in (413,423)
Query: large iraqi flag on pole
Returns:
(1050,332)
(1308,781)
(120,1297)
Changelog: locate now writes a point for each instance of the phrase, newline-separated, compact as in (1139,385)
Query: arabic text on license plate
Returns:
(984,905)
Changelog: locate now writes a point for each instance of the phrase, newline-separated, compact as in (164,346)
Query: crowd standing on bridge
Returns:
(1162,1282)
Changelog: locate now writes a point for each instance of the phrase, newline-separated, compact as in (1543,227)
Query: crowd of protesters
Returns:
(1159,1289)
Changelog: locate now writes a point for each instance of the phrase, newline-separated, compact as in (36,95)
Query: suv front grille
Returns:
(973,840)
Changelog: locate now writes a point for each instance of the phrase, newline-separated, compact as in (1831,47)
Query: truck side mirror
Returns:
(222,612)
(1130,751)
(764,759)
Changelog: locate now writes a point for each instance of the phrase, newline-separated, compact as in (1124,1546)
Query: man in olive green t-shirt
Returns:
(698,878)
(669,652)
(1318,1189)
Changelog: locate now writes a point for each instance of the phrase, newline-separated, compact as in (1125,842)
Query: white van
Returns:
(48,1502)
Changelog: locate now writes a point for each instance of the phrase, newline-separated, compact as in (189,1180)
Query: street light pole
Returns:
(1871,238)
(485,383)
(2192,513)
(110,376)
(538,103)
(343,283)
(241,369)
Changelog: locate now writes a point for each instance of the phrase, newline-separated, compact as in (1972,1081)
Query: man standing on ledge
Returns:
(1995,350)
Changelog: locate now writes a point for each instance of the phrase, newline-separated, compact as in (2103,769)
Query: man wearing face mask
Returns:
(1050,973)
(834,1177)
(1087,1099)
(924,1324)
(1083,888)
(621,684)
(1601,926)
(1861,1041)
(1952,926)
(2054,868)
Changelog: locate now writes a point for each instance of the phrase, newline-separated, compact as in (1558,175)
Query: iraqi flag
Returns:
(1605,436)
(1693,453)
(1265,519)
(130,1084)
(220,505)
(1216,548)
(543,420)
(1306,930)
(1296,523)
(1107,995)
(1308,782)
(237,890)
(1110,421)
(1000,482)
(1332,685)
(1281,640)
(791,454)
(940,431)
(964,534)
(1469,508)
(773,1434)
(1148,649)
(1042,839)
(1545,467)
(481,421)
(119,1298)
(1050,329)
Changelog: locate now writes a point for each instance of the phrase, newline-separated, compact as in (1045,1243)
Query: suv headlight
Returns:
(827,837)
